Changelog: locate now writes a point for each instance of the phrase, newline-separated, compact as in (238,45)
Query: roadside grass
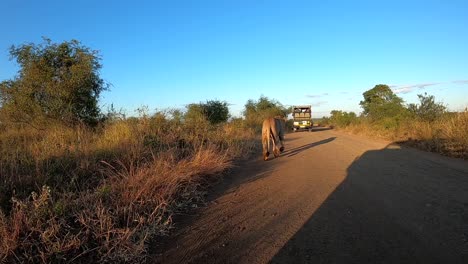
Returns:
(446,135)
(82,195)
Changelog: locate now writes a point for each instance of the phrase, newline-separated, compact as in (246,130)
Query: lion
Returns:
(273,129)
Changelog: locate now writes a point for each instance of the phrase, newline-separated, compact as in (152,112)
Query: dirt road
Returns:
(333,198)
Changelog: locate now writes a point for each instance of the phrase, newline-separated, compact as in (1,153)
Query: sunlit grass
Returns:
(447,135)
(100,194)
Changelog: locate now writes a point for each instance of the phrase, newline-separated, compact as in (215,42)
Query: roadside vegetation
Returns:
(426,125)
(80,185)
(256,111)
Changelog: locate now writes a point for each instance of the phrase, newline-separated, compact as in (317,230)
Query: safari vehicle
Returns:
(302,117)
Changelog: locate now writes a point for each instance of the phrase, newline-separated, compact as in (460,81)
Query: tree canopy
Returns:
(55,82)
(213,110)
(256,111)
(264,107)
(380,102)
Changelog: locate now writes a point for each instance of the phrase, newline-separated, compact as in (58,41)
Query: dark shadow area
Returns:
(288,139)
(394,206)
(295,151)
(300,131)
(317,129)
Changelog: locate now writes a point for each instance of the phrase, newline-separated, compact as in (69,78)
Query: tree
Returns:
(55,82)
(427,109)
(216,111)
(380,102)
(213,110)
(341,119)
(256,111)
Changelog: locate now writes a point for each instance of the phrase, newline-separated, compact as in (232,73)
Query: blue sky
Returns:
(167,54)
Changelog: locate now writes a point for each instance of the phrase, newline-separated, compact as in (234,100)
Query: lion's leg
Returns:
(276,150)
(280,127)
(266,144)
(278,144)
(275,153)
(281,138)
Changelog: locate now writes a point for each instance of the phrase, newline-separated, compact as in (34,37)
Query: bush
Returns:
(341,119)
(427,109)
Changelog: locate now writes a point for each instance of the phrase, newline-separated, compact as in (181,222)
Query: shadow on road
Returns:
(297,150)
(288,139)
(318,129)
(314,129)
(394,206)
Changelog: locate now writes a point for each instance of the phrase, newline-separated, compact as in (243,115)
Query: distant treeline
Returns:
(426,125)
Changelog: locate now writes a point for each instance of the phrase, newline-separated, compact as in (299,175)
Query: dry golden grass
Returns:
(447,135)
(78,195)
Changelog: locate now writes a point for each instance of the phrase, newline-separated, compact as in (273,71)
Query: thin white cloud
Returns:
(316,95)
(319,103)
(461,82)
(403,89)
